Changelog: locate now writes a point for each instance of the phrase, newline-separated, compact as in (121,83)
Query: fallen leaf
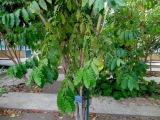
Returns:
(72,115)
(12,115)
(60,117)
(94,118)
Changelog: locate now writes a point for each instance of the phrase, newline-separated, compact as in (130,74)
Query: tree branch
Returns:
(9,57)
(42,18)
(104,18)
(98,24)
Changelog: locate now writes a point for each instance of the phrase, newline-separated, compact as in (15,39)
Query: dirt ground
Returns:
(51,115)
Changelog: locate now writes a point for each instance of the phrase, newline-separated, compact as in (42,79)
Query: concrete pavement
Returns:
(107,105)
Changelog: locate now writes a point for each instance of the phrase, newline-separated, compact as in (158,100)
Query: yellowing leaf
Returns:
(94,118)
(101,64)
(60,117)
(12,115)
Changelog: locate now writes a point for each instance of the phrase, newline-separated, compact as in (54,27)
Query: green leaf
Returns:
(117,95)
(78,76)
(118,62)
(134,94)
(69,5)
(120,2)
(98,6)
(62,18)
(119,75)
(122,36)
(78,14)
(23,67)
(30,79)
(25,15)
(39,78)
(96,62)
(131,37)
(71,102)
(49,1)
(92,77)
(61,101)
(71,86)
(107,92)
(84,2)
(35,61)
(17,20)
(31,15)
(10,72)
(126,36)
(91,2)
(68,107)
(131,83)
(95,69)
(82,27)
(86,78)
(124,83)
(4,19)
(15,70)
(12,20)
(124,94)
(43,4)
(34,7)
(113,64)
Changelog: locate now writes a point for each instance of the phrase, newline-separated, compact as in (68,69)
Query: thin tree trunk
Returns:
(150,65)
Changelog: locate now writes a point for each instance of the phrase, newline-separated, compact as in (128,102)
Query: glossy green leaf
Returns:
(31,15)
(113,64)
(71,86)
(98,6)
(118,62)
(61,101)
(78,76)
(124,83)
(131,37)
(34,7)
(95,69)
(17,19)
(86,78)
(43,4)
(25,15)
(12,19)
(84,2)
(96,62)
(49,1)
(91,2)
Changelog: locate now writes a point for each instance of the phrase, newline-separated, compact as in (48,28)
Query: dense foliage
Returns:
(93,40)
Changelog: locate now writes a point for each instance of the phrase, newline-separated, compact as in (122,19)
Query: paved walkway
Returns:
(130,106)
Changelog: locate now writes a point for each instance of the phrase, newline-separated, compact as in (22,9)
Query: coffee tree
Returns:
(80,36)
